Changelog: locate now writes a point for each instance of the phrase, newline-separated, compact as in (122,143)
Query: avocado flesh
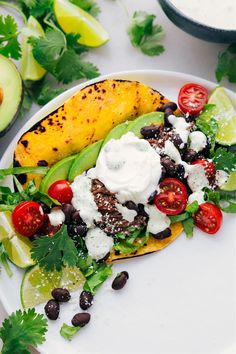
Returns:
(153,118)
(11,91)
(86,159)
(117,132)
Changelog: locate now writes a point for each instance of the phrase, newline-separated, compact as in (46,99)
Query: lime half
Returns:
(17,247)
(225,114)
(37,284)
(231,183)
(29,67)
(72,18)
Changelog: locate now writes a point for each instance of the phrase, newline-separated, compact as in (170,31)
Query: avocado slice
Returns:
(11,93)
(86,159)
(153,118)
(117,132)
(58,171)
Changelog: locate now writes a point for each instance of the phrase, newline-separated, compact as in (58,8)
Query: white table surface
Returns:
(183,53)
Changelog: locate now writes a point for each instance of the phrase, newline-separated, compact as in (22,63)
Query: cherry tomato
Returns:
(209,167)
(192,97)
(208,218)
(172,198)
(61,191)
(27,218)
(47,228)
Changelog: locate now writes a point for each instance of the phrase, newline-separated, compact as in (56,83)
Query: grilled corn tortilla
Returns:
(82,120)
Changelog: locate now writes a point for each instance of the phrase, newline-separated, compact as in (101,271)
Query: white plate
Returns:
(181,300)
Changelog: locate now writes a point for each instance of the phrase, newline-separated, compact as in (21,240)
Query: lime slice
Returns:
(225,115)
(29,67)
(17,247)
(231,183)
(37,284)
(72,18)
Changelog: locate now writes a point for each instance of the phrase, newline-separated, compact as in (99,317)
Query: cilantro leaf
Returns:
(9,44)
(47,93)
(68,332)
(88,5)
(226,66)
(226,201)
(222,66)
(52,253)
(53,54)
(224,160)
(21,330)
(188,225)
(72,42)
(144,34)
(97,278)
(208,124)
(4,260)
(37,8)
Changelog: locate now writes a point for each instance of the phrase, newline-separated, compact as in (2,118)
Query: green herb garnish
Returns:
(226,66)
(100,275)
(9,44)
(68,332)
(224,160)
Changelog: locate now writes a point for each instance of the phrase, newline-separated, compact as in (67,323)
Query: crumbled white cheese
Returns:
(83,200)
(196,196)
(127,214)
(56,217)
(171,151)
(129,167)
(158,221)
(197,179)
(221,178)
(98,243)
(198,141)
(180,126)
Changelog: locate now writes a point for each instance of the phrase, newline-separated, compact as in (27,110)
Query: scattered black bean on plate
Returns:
(86,300)
(120,280)
(52,309)
(80,319)
(61,294)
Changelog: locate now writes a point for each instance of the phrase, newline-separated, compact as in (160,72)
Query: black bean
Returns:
(168,112)
(131,205)
(163,173)
(61,294)
(163,234)
(45,207)
(150,132)
(120,280)
(68,210)
(180,172)
(75,230)
(171,105)
(76,218)
(104,258)
(141,210)
(151,198)
(169,165)
(86,300)
(190,155)
(189,118)
(206,151)
(52,309)
(178,142)
(81,319)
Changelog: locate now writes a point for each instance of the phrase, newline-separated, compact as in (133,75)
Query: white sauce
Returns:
(221,178)
(180,126)
(127,214)
(198,141)
(98,243)
(196,196)
(56,217)
(158,221)
(197,179)
(83,200)
(214,13)
(172,152)
(129,167)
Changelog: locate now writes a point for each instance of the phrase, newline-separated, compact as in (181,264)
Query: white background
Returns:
(182,52)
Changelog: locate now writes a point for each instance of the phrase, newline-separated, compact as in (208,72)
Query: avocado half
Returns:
(11,93)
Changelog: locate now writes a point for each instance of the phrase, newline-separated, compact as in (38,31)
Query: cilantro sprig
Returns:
(226,66)
(186,218)
(21,330)
(208,124)
(144,34)
(9,44)
(224,160)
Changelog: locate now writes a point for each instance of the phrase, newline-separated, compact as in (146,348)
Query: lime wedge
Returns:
(17,247)
(72,18)
(37,284)
(29,67)
(225,114)
(231,183)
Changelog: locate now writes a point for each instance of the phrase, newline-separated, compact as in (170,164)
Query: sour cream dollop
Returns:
(129,167)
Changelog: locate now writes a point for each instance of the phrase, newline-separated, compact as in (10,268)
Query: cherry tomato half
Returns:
(192,97)
(208,218)
(61,191)
(209,167)
(27,218)
(172,198)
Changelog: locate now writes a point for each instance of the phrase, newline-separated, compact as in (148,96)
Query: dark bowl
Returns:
(195,28)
